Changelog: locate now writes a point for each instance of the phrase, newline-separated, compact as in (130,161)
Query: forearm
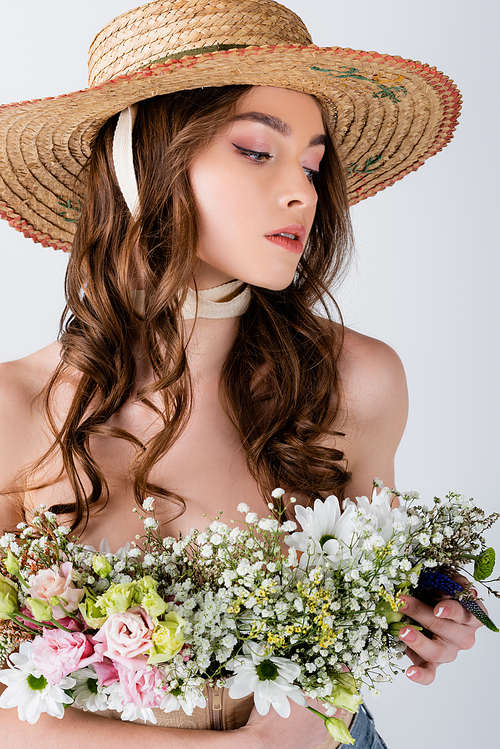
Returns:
(96,732)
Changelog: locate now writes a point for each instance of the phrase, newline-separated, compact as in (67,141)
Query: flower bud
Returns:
(8,598)
(41,610)
(101,566)
(338,730)
(11,563)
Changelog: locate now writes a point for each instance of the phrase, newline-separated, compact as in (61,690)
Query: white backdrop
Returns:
(425,281)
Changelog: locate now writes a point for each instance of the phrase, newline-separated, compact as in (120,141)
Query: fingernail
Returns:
(412,672)
(443,612)
(408,634)
(404,604)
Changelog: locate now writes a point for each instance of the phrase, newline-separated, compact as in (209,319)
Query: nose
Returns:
(296,189)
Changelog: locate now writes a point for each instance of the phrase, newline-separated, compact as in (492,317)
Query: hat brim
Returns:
(387,116)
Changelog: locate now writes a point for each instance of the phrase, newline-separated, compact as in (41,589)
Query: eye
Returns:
(257,156)
(312,175)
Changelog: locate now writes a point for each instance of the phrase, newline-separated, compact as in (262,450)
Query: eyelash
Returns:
(259,157)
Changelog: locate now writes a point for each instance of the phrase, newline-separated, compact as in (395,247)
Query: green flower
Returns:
(338,730)
(484,564)
(41,610)
(145,584)
(11,563)
(167,638)
(153,604)
(101,566)
(8,598)
(94,616)
(118,598)
(345,693)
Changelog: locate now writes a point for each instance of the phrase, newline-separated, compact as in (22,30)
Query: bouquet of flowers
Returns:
(261,608)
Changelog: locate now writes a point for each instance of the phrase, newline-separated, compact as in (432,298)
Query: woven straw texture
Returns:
(387,114)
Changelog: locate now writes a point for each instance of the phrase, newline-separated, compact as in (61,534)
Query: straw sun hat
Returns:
(387,114)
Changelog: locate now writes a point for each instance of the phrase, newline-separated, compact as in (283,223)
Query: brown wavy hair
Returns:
(279,384)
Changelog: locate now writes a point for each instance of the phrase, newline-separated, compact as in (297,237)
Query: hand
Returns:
(301,730)
(452,628)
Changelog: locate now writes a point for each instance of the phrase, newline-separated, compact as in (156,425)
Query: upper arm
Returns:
(16,437)
(374,410)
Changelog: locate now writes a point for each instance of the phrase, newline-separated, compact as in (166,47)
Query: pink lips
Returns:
(292,245)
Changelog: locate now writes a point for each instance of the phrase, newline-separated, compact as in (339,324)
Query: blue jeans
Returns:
(363,730)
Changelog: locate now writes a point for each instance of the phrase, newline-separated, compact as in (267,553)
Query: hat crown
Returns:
(163,28)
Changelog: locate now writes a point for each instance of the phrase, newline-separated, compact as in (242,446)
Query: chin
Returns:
(274,282)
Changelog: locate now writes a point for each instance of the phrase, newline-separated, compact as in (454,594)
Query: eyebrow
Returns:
(277,124)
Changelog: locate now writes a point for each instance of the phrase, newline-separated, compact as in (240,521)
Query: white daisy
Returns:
(268,677)
(29,691)
(190,699)
(326,534)
(87,692)
(382,515)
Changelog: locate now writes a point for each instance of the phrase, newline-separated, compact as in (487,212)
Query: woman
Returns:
(302,403)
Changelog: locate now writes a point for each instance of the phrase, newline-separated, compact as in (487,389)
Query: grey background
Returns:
(425,281)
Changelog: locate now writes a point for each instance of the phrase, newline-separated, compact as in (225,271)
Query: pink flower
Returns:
(124,637)
(57,653)
(106,672)
(139,686)
(48,584)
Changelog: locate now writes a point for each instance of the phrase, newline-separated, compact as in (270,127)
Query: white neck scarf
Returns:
(228,300)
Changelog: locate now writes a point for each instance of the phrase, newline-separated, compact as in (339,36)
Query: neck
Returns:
(209,344)
(210,321)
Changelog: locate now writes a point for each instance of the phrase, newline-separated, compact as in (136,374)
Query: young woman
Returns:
(210,219)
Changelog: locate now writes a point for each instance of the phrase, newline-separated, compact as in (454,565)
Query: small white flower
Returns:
(207,551)
(424,539)
(288,526)
(150,523)
(269,678)
(29,691)
(268,524)
(243,508)
(251,518)
(148,504)
(277,493)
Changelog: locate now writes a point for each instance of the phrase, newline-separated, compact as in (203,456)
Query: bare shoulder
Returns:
(373,409)
(372,376)
(22,435)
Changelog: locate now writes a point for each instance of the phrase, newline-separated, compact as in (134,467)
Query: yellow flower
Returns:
(167,638)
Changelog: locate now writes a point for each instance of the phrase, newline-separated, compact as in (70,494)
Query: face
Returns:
(254,190)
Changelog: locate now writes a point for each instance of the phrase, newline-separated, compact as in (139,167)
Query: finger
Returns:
(432,618)
(454,611)
(421,672)
(434,650)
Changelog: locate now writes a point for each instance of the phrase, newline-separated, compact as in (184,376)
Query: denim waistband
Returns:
(364,732)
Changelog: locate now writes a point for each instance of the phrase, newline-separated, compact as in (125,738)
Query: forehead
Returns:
(300,111)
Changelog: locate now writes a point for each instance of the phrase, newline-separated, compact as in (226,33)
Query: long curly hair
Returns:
(279,384)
